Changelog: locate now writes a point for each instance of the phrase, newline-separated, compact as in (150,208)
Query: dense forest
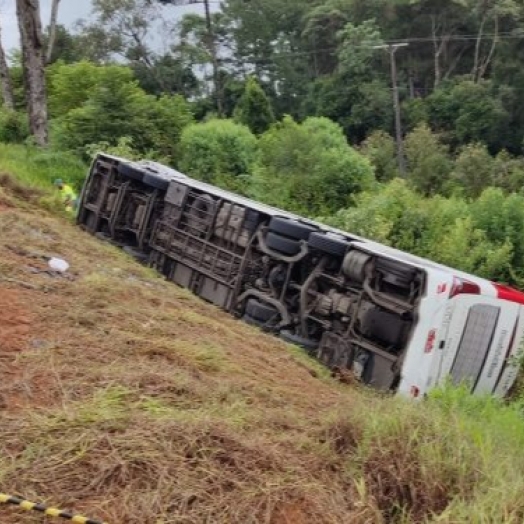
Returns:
(399,120)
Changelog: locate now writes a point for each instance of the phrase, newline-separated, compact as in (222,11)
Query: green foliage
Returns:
(217,150)
(165,119)
(356,54)
(501,217)
(254,108)
(468,248)
(14,126)
(70,86)
(473,169)
(381,150)
(484,237)
(454,445)
(414,113)
(508,172)
(108,114)
(166,74)
(111,105)
(372,109)
(67,46)
(469,112)
(429,165)
(123,148)
(37,168)
(309,168)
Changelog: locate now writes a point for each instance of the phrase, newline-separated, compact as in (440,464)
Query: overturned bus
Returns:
(395,321)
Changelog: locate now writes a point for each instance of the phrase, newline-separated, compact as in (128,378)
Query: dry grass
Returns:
(127,398)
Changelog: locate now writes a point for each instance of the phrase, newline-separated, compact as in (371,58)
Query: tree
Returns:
(356,54)
(489,12)
(114,106)
(67,47)
(210,44)
(264,39)
(309,168)
(121,27)
(380,149)
(218,151)
(52,30)
(473,169)
(466,112)
(508,172)
(30,25)
(429,165)
(322,25)
(5,79)
(254,108)
(168,74)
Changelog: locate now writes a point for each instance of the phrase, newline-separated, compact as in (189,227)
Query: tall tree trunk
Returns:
(437,51)
(485,64)
(213,51)
(5,79)
(476,62)
(52,30)
(30,25)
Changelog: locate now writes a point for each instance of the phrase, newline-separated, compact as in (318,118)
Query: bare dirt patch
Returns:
(15,322)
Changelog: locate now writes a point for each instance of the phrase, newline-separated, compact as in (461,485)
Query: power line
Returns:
(412,40)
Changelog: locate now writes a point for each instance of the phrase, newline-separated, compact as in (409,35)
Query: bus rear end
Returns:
(473,337)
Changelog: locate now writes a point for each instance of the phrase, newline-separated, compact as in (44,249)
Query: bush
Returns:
(381,150)
(254,108)
(483,237)
(217,150)
(124,110)
(309,168)
(70,86)
(473,169)
(467,111)
(429,165)
(14,127)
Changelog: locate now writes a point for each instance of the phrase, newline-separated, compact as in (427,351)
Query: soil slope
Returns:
(128,399)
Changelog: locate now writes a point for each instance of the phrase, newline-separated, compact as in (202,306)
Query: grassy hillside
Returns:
(127,398)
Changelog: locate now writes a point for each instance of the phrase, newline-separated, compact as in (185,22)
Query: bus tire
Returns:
(286,246)
(260,311)
(290,228)
(354,266)
(328,244)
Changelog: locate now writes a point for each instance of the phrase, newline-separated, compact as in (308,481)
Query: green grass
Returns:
(38,169)
(453,458)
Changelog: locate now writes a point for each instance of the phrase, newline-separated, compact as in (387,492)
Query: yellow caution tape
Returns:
(42,508)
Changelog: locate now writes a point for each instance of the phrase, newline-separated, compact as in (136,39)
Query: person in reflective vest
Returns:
(69,197)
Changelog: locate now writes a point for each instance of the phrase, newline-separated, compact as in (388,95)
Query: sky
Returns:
(69,12)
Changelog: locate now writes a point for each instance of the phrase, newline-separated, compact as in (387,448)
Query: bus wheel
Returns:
(290,228)
(260,311)
(283,245)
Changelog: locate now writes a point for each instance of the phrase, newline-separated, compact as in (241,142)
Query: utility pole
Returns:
(392,49)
